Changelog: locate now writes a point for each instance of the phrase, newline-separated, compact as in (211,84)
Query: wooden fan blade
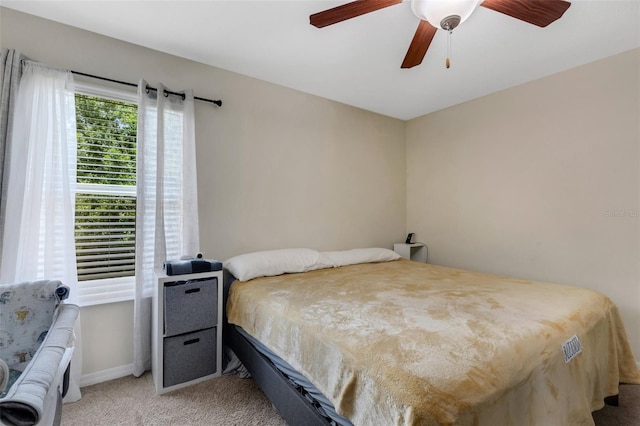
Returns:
(419,45)
(348,11)
(536,12)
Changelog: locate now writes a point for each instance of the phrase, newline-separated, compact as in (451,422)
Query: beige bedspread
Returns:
(406,343)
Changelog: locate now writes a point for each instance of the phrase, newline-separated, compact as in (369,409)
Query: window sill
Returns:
(87,303)
(109,290)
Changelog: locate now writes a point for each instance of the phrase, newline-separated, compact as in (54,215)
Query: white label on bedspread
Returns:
(571,348)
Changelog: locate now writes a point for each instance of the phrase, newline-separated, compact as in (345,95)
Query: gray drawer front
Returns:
(190,305)
(189,356)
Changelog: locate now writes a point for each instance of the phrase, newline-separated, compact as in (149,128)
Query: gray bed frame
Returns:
(290,403)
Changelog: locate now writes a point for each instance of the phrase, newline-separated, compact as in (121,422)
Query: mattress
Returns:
(408,343)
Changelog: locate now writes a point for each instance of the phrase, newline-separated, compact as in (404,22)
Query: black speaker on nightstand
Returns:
(191,266)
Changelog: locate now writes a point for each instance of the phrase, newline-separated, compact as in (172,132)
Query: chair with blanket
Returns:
(36,344)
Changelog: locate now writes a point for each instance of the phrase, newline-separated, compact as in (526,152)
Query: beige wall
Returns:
(107,336)
(541,181)
(276,167)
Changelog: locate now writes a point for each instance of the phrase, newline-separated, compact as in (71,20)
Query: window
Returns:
(106,122)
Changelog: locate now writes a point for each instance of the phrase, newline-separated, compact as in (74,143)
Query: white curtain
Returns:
(38,239)
(167,203)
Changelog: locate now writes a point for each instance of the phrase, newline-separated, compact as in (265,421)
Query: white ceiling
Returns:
(357,62)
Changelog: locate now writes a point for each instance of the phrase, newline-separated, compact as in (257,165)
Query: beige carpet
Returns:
(229,401)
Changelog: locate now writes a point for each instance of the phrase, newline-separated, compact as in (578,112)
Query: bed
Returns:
(392,342)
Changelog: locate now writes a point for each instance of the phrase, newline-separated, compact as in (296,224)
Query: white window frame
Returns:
(107,290)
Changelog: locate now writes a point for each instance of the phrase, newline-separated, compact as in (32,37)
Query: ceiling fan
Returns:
(446,15)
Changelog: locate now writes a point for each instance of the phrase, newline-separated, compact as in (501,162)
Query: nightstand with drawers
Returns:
(187,329)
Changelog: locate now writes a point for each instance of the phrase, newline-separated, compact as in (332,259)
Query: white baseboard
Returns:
(106,375)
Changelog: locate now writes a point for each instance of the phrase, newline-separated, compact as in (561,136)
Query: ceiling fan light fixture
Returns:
(444,14)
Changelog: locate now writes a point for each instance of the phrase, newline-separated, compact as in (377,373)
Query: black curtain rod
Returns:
(217,102)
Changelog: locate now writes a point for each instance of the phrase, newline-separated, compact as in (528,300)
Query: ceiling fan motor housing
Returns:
(444,14)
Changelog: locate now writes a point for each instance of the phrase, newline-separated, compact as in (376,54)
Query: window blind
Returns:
(105,236)
(106,194)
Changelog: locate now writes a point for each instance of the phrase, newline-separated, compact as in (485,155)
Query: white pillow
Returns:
(271,262)
(360,255)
